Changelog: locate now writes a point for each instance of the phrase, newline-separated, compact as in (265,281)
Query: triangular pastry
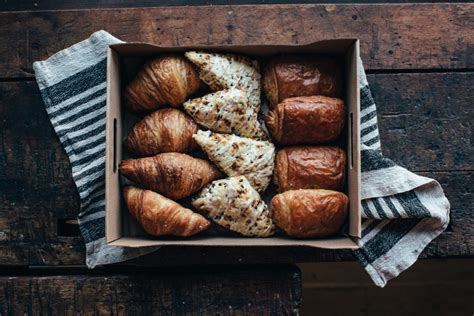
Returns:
(233,203)
(224,71)
(226,111)
(236,156)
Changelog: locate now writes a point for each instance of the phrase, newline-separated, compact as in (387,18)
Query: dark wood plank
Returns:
(429,287)
(390,34)
(12,5)
(270,290)
(426,119)
(37,192)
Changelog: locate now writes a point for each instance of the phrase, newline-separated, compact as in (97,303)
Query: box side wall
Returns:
(330,243)
(352,95)
(113,210)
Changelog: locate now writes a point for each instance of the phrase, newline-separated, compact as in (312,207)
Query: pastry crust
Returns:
(161,216)
(306,120)
(224,71)
(226,111)
(299,75)
(237,156)
(310,167)
(166,80)
(166,130)
(174,175)
(233,203)
(309,213)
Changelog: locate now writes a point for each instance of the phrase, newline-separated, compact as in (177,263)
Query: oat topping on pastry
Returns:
(226,111)
(236,156)
(233,203)
(224,71)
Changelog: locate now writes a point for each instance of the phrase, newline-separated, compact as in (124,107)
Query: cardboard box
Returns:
(123,230)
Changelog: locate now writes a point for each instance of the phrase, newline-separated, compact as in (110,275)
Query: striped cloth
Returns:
(402,211)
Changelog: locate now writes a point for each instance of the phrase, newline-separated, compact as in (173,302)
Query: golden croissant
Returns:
(161,216)
(166,80)
(174,175)
(165,130)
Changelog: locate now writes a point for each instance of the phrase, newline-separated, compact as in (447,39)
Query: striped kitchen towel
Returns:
(402,211)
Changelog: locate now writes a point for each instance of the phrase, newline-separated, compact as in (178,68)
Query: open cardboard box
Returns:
(123,230)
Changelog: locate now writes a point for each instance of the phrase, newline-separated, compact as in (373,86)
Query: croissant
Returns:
(161,216)
(306,120)
(224,71)
(309,213)
(174,175)
(233,203)
(165,130)
(226,111)
(299,75)
(310,167)
(166,80)
(237,156)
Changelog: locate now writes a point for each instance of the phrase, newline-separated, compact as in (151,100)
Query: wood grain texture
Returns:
(424,119)
(270,290)
(392,36)
(31,5)
(429,287)
(36,188)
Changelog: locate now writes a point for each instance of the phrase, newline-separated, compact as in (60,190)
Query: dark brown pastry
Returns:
(300,75)
(309,213)
(166,130)
(166,80)
(306,120)
(161,216)
(310,167)
(175,175)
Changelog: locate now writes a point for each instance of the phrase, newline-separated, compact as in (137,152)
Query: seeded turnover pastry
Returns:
(301,75)
(237,156)
(225,71)
(164,130)
(161,216)
(226,111)
(166,80)
(175,175)
(309,213)
(306,120)
(233,203)
(310,167)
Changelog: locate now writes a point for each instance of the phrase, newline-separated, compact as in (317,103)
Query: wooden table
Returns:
(419,58)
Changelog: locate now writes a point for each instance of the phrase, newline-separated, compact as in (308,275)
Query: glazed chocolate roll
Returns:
(310,167)
(306,120)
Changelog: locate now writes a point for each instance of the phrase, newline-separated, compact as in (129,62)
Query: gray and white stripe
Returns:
(73,86)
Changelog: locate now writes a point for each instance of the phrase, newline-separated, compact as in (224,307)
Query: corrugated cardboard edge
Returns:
(114,225)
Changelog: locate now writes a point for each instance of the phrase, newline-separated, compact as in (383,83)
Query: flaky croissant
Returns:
(174,175)
(309,213)
(161,216)
(165,130)
(306,120)
(310,167)
(166,80)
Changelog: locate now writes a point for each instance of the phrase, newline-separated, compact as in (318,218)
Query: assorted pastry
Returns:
(181,126)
